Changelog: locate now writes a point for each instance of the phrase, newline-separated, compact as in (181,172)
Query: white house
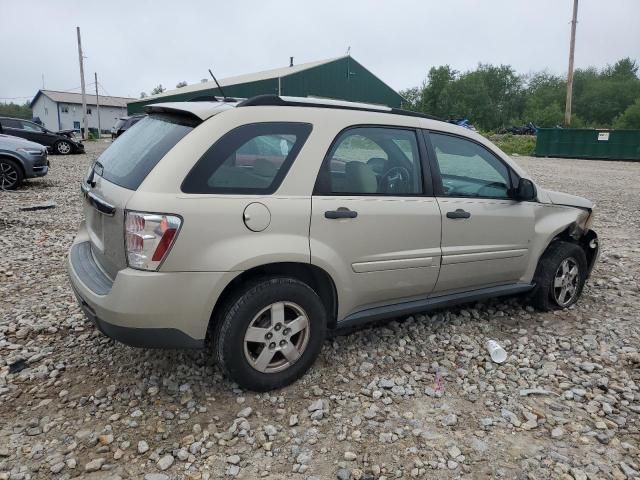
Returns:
(63,110)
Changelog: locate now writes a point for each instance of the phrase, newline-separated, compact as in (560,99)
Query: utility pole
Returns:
(98,105)
(574,21)
(85,131)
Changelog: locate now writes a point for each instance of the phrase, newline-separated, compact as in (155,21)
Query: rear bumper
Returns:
(139,337)
(145,309)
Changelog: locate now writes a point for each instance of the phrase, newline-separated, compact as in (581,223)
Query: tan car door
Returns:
(486,234)
(375,226)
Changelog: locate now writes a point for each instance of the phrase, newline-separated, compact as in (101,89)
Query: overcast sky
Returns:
(135,45)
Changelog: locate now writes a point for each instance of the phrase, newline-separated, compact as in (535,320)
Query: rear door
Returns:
(12,126)
(375,225)
(486,234)
(116,176)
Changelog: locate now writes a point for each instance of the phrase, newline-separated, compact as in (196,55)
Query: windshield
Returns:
(119,123)
(128,161)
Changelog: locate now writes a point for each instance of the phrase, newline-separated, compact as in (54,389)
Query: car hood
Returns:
(561,198)
(9,141)
(67,133)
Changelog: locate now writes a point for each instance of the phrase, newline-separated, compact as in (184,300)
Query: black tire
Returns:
(62,147)
(11,175)
(235,318)
(545,293)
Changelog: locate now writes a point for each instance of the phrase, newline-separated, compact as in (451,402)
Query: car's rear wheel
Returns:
(11,175)
(270,333)
(560,276)
(63,147)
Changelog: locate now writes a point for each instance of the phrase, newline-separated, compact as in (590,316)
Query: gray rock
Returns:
(143,446)
(165,462)
(449,420)
(94,465)
(343,474)
(350,456)
(156,476)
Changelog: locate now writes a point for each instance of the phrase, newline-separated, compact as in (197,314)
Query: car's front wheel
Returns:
(63,147)
(270,333)
(560,276)
(10,174)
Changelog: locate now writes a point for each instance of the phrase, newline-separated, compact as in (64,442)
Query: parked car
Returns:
(62,142)
(462,122)
(20,159)
(123,124)
(262,224)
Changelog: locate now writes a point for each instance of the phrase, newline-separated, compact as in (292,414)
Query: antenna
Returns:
(219,87)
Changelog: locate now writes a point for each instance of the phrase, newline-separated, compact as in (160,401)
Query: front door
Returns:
(486,234)
(375,225)
(36,133)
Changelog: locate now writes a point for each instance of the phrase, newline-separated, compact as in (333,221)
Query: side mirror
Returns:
(526,190)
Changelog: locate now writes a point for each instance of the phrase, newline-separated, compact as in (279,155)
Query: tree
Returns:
(435,98)
(16,110)
(143,95)
(181,84)
(625,68)
(412,98)
(492,96)
(630,119)
(158,89)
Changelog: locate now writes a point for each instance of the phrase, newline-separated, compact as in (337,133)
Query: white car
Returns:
(258,225)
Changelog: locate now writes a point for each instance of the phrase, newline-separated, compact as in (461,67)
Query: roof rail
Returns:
(275,100)
(214,98)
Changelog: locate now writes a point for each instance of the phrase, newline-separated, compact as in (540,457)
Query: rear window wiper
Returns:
(90,180)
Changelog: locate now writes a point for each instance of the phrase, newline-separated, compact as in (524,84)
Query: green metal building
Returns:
(340,78)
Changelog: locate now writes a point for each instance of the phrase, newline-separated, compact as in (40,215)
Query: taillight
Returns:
(149,237)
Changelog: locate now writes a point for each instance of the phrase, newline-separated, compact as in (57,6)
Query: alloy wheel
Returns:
(276,337)
(8,176)
(566,281)
(64,148)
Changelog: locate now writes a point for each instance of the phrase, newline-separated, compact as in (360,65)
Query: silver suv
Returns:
(260,224)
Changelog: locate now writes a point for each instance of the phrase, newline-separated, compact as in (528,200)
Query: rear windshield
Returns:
(130,158)
(120,123)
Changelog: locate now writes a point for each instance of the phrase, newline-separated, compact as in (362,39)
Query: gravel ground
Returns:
(414,398)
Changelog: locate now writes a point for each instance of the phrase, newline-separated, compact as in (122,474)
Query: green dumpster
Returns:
(588,143)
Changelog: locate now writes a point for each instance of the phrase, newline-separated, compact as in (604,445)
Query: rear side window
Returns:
(252,159)
(372,161)
(11,123)
(128,161)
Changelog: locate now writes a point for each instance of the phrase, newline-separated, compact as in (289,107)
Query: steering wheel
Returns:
(396,180)
(485,190)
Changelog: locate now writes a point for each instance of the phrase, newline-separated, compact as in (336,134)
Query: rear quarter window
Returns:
(252,159)
(130,158)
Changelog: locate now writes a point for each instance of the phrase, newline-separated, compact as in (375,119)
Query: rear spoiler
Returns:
(198,110)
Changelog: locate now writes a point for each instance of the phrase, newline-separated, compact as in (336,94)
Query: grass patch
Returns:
(518,144)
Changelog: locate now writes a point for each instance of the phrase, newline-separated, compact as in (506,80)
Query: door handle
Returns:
(341,212)
(459,213)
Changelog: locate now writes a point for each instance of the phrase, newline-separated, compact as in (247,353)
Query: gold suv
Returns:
(260,224)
